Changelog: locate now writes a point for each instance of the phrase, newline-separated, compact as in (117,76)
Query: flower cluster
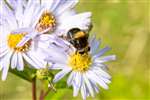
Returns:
(49,35)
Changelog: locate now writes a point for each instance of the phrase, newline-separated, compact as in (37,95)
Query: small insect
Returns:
(79,39)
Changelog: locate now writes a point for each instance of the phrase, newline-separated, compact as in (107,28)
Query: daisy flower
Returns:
(54,16)
(13,27)
(86,71)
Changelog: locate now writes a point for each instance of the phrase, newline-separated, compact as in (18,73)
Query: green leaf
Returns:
(27,74)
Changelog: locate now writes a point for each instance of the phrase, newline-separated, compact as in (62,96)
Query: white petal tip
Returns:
(54,80)
(4,78)
(20,69)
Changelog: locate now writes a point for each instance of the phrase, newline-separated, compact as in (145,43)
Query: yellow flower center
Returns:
(14,39)
(80,62)
(47,21)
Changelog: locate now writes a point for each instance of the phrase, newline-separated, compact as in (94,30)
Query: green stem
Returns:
(34,89)
(41,95)
(46,93)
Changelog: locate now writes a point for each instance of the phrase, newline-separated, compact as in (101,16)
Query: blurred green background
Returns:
(123,25)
